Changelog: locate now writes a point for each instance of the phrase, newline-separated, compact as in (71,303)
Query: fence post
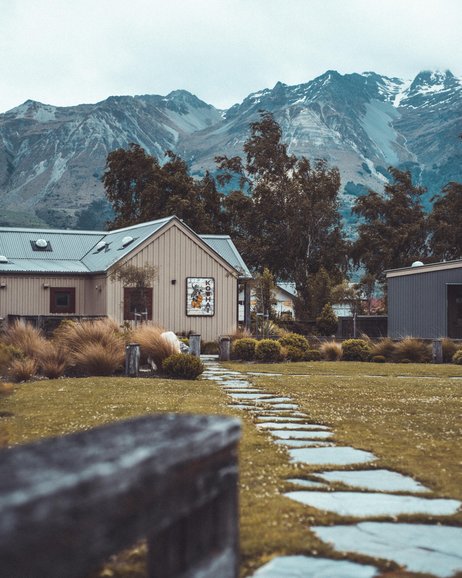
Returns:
(132,359)
(437,351)
(225,348)
(195,344)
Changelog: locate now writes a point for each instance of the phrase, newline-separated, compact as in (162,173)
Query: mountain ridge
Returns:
(52,158)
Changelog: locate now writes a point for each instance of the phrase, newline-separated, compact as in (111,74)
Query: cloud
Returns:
(83,51)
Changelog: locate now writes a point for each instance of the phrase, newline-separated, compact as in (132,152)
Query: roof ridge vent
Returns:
(100,245)
(127,240)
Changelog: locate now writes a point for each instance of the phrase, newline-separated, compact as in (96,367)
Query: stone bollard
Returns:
(437,351)
(225,349)
(132,360)
(195,344)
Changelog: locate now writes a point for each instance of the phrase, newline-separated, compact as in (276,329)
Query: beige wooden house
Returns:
(51,274)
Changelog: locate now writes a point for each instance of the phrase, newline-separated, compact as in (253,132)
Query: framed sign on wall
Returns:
(200,296)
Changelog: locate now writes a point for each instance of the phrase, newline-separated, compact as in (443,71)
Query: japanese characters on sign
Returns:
(200,296)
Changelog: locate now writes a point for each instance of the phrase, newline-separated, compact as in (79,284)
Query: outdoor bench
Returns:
(68,503)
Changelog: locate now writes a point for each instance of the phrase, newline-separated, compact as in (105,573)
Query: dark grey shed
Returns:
(425,301)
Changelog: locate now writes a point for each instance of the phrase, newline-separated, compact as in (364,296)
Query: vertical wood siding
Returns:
(417,304)
(26,295)
(177,255)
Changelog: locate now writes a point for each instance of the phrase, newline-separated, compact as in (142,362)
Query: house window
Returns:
(62,300)
(137,303)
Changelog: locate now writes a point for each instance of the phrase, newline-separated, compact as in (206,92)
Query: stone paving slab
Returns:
(299,434)
(311,567)
(304,443)
(419,547)
(364,504)
(338,456)
(383,480)
(288,425)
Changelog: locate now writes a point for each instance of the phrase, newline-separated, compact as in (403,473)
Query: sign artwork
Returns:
(200,296)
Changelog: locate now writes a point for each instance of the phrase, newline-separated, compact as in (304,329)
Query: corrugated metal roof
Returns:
(91,251)
(114,249)
(224,246)
(43,266)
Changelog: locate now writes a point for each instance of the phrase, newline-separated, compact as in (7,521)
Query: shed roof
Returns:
(426,268)
(65,251)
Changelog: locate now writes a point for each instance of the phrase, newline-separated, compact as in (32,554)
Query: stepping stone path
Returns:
(430,548)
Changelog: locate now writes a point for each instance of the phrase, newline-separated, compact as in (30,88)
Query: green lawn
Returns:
(408,415)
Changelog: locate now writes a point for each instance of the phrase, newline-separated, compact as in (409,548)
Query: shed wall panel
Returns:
(417,304)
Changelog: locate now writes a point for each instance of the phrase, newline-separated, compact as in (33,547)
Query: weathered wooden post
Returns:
(68,503)
(437,351)
(195,344)
(132,360)
(225,348)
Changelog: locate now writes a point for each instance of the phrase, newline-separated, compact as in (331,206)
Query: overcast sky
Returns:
(65,52)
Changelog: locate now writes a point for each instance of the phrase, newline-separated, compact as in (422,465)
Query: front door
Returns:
(455,311)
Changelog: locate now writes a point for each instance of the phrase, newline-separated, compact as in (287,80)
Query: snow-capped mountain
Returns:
(52,159)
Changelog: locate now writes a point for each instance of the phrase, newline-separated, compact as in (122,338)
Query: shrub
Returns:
(294,346)
(378,359)
(449,348)
(411,350)
(152,344)
(240,333)
(292,353)
(22,369)
(331,350)
(355,350)
(182,366)
(457,357)
(294,340)
(98,358)
(312,355)
(25,337)
(244,348)
(268,350)
(327,322)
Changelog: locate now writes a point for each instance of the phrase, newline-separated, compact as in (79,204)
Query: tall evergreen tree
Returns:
(445,224)
(285,217)
(392,232)
(140,190)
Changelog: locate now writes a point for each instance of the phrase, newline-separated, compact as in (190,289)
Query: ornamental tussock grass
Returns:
(449,348)
(411,350)
(26,338)
(94,347)
(52,360)
(99,358)
(153,346)
(22,369)
(331,350)
(383,348)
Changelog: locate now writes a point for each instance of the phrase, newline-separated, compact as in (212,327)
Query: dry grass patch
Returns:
(153,346)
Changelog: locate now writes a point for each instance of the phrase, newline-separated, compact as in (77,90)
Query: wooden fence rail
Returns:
(68,503)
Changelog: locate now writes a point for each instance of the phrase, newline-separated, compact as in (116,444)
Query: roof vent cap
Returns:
(126,240)
(41,243)
(100,245)
(417,264)
(3,259)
